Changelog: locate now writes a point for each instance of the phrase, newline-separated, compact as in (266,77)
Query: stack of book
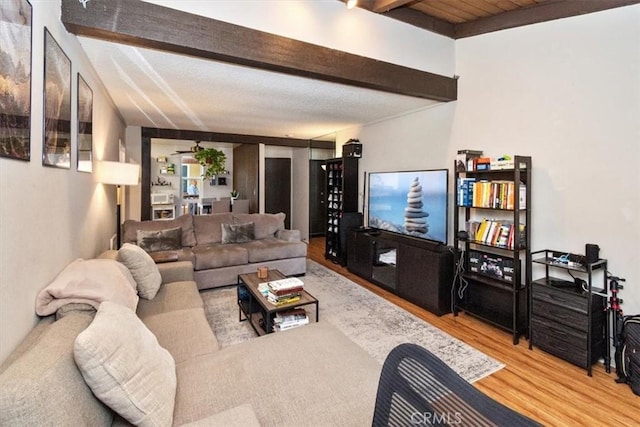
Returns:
(290,319)
(494,232)
(284,291)
(490,194)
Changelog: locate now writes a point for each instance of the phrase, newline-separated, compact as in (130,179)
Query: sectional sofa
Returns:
(223,245)
(161,364)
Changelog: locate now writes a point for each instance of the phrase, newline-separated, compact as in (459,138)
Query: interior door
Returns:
(246,176)
(317,204)
(277,174)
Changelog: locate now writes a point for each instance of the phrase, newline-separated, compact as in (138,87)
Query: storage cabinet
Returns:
(341,206)
(163,212)
(417,270)
(492,223)
(569,315)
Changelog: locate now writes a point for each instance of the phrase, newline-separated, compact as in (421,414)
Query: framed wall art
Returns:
(85,125)
(15,79)
(56,147)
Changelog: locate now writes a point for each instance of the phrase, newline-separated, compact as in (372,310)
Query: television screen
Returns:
(412,203)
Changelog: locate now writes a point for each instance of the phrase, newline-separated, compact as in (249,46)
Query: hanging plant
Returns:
(212,160)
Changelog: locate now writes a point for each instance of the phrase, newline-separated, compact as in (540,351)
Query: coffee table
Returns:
(256,307)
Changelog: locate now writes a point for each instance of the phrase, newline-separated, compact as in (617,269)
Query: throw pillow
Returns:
(160,240)
(238,233)
(143,269)
(125,367)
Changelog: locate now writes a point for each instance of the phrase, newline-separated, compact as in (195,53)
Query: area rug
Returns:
(369,320)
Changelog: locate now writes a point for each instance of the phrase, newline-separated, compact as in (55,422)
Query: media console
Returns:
(417,270)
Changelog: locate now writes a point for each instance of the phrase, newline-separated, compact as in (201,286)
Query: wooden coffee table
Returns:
(256,308)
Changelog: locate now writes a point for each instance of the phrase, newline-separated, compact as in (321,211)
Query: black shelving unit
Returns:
(568,316)
(493,277)
(342,206)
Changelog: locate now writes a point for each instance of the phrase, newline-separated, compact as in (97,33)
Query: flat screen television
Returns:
(412,203)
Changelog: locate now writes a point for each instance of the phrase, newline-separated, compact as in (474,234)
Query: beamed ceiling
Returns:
(465,18)
(206,79)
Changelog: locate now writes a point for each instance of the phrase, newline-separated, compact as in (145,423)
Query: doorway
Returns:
(277,173)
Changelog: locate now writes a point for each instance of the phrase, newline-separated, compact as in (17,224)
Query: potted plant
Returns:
(212,160)
(234,194)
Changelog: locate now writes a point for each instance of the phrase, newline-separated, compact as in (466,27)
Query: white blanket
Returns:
(90,282)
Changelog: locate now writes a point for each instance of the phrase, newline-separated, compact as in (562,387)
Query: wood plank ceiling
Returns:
(465,18)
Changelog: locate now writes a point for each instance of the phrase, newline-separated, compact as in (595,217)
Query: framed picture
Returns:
(85,124)
(15,79)
(56,147)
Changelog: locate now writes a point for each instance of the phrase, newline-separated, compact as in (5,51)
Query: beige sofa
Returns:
(312,375)
(218,264)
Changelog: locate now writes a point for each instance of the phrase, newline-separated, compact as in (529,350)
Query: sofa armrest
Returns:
(289,235)
(176,271)
(108,254)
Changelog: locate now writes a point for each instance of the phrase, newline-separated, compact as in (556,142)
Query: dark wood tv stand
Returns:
(417,270)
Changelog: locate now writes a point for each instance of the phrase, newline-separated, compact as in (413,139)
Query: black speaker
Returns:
(592,252)
(352,150)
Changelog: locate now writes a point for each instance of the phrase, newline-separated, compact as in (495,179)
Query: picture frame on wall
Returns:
(85,126)
(15,75)
(56,146)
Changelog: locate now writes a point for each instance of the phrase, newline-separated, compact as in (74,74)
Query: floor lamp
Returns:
(117,173)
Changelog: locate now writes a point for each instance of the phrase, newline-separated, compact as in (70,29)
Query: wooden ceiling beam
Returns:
(421,20)
(542,12)
(147,25)
(234,138)
(381,6)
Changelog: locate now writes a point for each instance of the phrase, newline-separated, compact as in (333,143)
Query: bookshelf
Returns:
(492,218)
(342,206)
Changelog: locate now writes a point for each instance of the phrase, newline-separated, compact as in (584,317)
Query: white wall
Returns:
(566,92)
(48,216)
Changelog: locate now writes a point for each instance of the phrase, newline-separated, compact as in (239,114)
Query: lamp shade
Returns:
(117,173)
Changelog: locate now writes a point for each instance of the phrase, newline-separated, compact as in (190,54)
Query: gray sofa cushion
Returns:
(169,239)
(171,297)
(184,333)
(334,383)
(185,222)
(272,248)
(44,386)
(265,225)
(208,228)
(238,233)
(220,255)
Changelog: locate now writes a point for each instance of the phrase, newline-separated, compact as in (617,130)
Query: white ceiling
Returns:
(158,89)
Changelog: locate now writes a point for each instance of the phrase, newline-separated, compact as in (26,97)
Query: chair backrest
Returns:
(206,204)
(220,206)
(240,206)
(417,388)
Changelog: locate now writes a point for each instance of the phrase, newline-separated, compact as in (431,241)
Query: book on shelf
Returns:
(495,232)
(490,194)
(464,159)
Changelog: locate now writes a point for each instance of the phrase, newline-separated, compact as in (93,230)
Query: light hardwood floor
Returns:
(534,383)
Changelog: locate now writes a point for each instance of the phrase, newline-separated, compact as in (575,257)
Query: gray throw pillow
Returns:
(238,233)
(160,240)
(143,269)
(126,368)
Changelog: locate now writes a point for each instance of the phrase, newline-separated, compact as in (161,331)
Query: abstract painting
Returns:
(15,79)
(85,124)
(56,147)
